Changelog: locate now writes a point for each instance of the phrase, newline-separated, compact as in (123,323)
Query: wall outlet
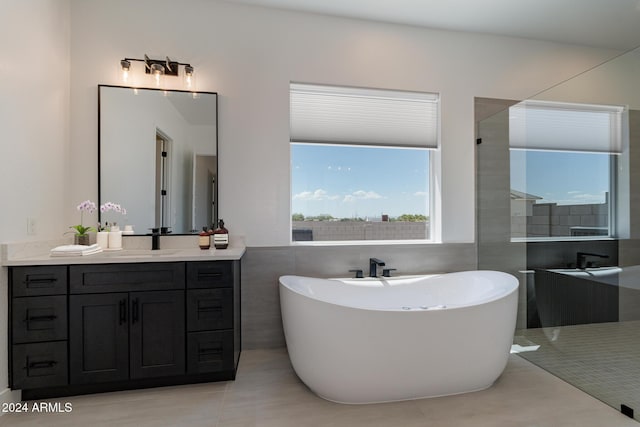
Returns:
(31,226)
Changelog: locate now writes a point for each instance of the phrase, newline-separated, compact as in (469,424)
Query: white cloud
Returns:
(318,194)
(580,198)
(321,194)
(361,195)
(420,193)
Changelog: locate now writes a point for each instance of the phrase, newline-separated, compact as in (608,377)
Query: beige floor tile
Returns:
(267,393)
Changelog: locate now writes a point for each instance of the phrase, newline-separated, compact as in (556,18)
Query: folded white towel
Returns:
(75,250)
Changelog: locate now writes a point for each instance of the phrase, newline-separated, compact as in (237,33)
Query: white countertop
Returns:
(133,255)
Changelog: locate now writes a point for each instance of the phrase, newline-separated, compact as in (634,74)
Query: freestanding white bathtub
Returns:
(389,339)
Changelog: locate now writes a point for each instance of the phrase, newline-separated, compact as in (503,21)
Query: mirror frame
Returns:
(215,186)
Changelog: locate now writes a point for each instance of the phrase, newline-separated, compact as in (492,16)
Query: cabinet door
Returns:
(157,334)
(98,338)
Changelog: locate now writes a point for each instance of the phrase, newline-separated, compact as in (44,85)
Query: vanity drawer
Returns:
(209,309)
(101,278)
(41,280)
(39,365)
(209,352)
(210,274)
(39,319)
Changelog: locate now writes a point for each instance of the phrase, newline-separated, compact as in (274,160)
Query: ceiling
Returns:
(598,23)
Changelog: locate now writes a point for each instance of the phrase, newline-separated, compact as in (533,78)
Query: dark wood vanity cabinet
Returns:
(212,315)
(38,327)
(115,337)
(119,326)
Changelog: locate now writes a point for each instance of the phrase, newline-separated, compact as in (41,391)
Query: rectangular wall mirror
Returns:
(158,158)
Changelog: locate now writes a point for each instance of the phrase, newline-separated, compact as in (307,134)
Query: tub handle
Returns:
(386,272)
(358,272)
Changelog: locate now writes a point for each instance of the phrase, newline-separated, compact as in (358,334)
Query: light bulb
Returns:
(189,78)
(157,71)
(125,68)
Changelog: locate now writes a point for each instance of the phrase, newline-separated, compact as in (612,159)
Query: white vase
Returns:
(102,239)
(115,239)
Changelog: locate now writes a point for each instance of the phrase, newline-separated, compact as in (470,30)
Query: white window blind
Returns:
(344,115)
(543,125)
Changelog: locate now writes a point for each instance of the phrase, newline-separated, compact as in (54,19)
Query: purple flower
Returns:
(87,206)
(110,206)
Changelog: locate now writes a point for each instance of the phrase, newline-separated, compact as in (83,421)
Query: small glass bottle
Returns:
(203,239)
(221,236)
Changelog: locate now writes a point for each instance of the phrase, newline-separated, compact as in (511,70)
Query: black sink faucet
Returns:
(155,238)
(581,258)
(373,266)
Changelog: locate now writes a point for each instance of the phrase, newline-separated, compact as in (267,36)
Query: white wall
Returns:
(250,54)
(34,112)
(34,118)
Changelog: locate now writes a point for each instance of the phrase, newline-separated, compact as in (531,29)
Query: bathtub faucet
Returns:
(581,259)
(373,266)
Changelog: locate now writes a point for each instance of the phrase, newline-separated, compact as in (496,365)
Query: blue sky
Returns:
(352,181)
(561,177)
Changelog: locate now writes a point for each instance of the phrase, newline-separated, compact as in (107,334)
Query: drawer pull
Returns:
(40,281)
(209,275)
(41,318)
(41,365)
(209,309)
(210,351)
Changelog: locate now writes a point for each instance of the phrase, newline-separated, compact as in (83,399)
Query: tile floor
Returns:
(267,393)
(603,359)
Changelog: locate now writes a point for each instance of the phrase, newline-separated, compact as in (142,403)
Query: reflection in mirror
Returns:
(158,158)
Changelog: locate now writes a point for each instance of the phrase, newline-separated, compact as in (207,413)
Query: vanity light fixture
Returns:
(159,68)
(126,67)
(189,79)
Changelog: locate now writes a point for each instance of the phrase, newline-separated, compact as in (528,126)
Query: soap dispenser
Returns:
(221,236)
(203,239)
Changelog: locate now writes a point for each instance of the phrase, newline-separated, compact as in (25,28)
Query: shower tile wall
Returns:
(262,266)
(630,248)
(493,201)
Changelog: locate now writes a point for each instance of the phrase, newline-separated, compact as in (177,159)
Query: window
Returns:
(360,163)
(562,167)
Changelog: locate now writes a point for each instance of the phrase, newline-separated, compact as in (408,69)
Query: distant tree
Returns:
(412,218)
(321,217)
(297,217)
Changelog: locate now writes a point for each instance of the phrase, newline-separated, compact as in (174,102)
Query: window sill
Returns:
(364,242)
(561,239)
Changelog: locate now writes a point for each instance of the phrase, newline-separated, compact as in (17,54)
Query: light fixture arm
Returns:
(165,66)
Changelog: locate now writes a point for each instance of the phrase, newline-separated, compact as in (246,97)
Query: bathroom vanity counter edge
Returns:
(133,256)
